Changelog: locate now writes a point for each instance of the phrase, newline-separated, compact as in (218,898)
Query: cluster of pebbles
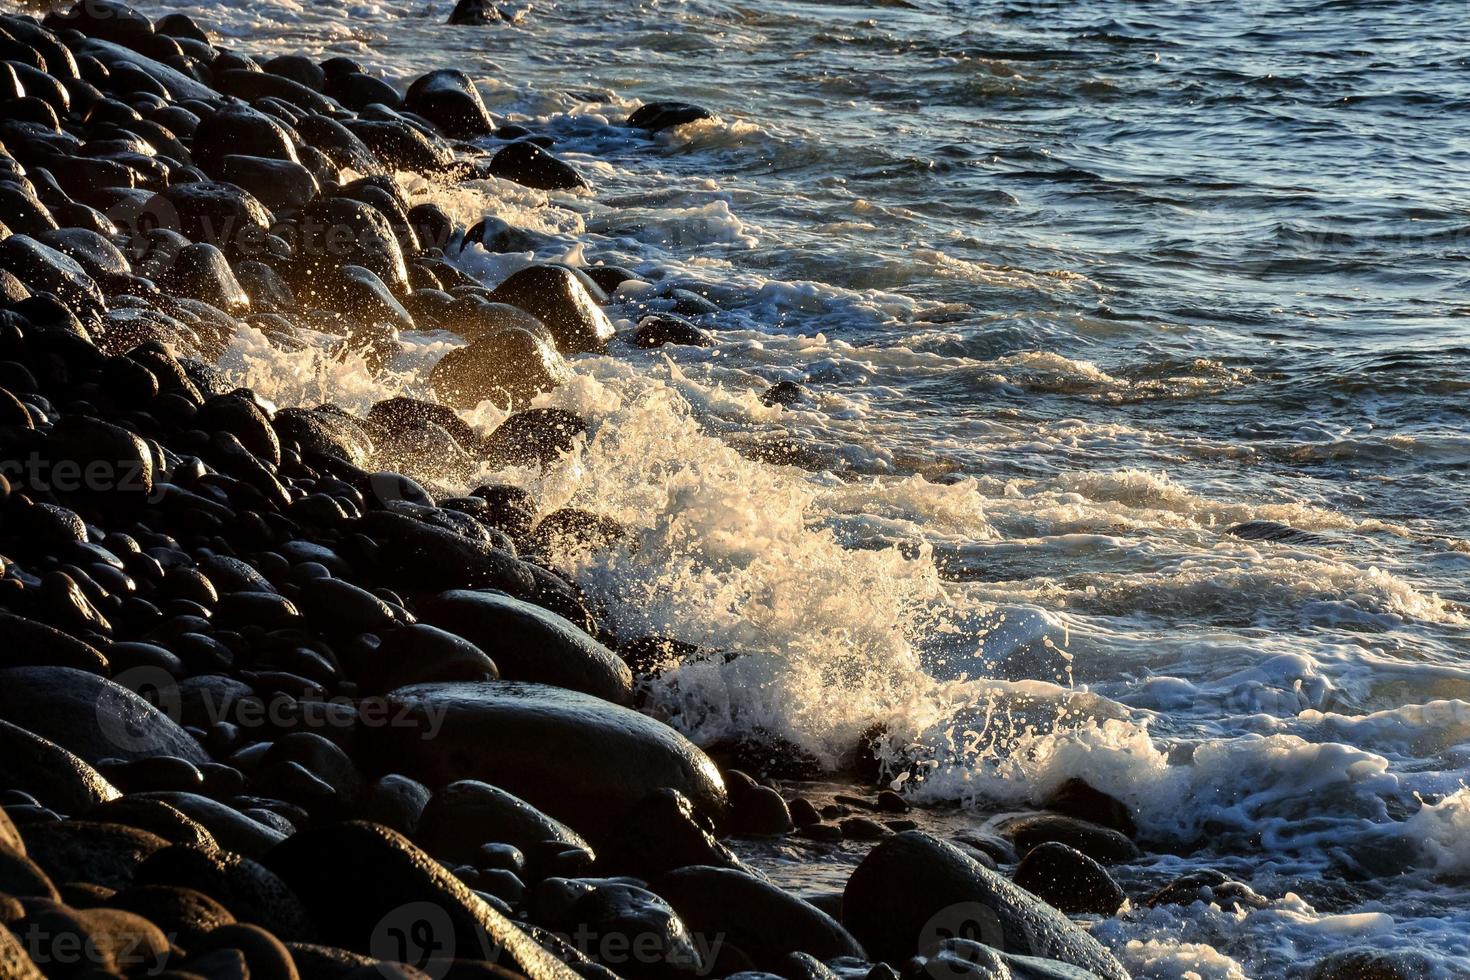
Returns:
(265,711)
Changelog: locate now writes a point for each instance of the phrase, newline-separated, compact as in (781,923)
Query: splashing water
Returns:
(1075,291)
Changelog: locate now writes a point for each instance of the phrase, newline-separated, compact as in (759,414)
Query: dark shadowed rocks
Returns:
(1099,843)
(341,607)
(432,224)
(114,941)
(363,297)
(44,269)
(966,959)
(498,235)
(268,290)
(95,253)
(474,317)
(20,875)
(28,643)
(654,116)
(658,329)
(509,508)
(55,776)
(201,272)
(183,913)
(1076,798)
(340,231)
(343,147)
(572,528)
(474,13)
(401,146)
(355,878)
(610,277)
(107,20)
(275,183)
(106,854)
(181,25)
(901,893)
(1371,964)
(424,556)
(1069,880)
(785,393)
(618,915)
(1207,885)
(116,465)
(358,90)
(528,164)
(231,829)
(20,210)
(421,654)
(1273,531)
(383,194)
(253,86)
(266,957)
(239,129)
(665,831)
(250,891)
(322,433)
(465,815)
(91,716)
(394,801)
(757,810)
(449,100)
(243,418)
(532,643)
(226,216)
(299,69)
(766,923)
(402,413)
(608,757)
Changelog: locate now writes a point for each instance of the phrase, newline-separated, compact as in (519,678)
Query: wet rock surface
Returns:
(892,900)
(305,690)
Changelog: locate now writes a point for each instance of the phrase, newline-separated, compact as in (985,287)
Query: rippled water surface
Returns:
(1077,288)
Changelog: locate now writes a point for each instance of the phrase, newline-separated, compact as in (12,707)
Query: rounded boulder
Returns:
(556,296)
(763,921)
(91,716)
(914,890)
(580,759)
(362,882)
(508,367)
(529,643)
(449,100)
(465,815)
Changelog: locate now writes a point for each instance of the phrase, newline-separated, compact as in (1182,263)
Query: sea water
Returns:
(1077,289)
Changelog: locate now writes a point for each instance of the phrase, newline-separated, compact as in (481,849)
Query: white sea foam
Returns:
(989,550)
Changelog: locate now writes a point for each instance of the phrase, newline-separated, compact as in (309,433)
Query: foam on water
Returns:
(1045,380)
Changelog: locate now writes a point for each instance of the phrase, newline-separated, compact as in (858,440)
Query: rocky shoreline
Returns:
(267,712)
